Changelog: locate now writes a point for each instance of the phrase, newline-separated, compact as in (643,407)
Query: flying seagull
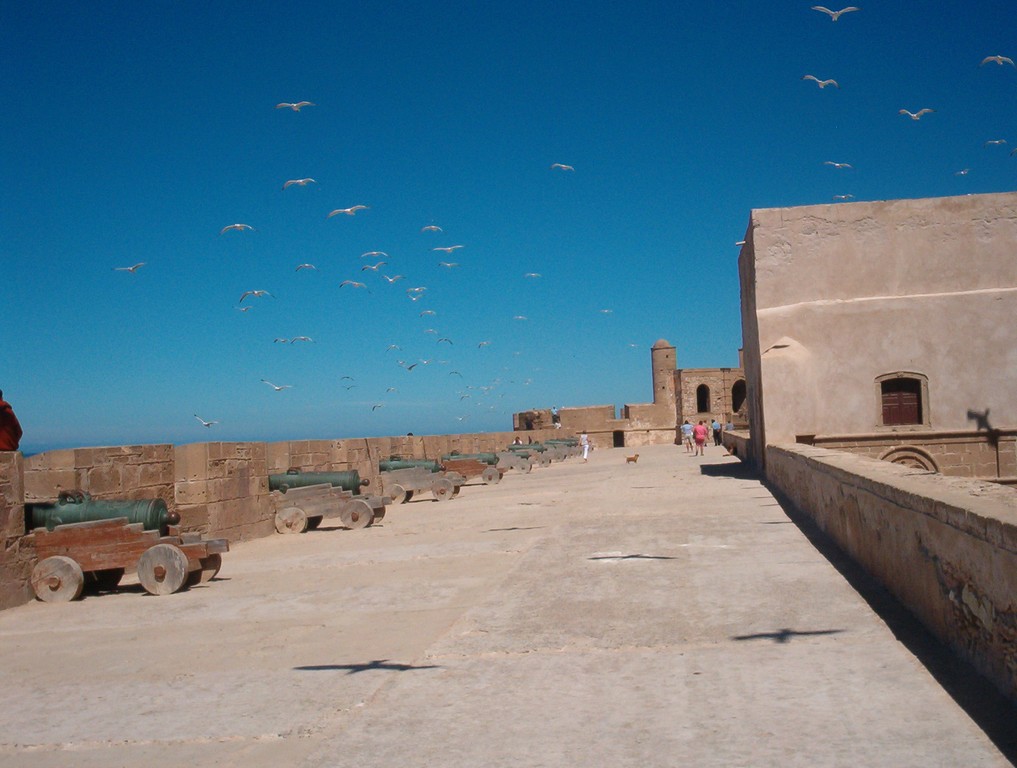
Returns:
(132,270)
(483,344)
(532,274)
(298,182)
(606,311)
(915,115)
(449,264)
(373,255)
(520,317)
(301,338)
(821,83)
(994,142)
(204,423)
(837,165)
(431,228)
(393,278)
(834,15)
(390,347)
(280,341)
(447,249)
(376,406)
(843,197)
(439,341)
(305,266)
(276,387)
(561,167)
(373,268)
(351,211)
(256,294)
(962,172)
(296,107)
(352,283)
(238,227)
(998,59)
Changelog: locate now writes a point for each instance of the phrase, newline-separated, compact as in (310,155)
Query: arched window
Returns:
(903,399)
(738,395)
(702,399)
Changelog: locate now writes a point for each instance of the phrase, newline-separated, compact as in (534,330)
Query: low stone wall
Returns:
(980,454)
(945,547)
(737,443)
(220,489)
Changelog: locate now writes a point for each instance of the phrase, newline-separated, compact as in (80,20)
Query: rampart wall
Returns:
(945,547)
(220,489)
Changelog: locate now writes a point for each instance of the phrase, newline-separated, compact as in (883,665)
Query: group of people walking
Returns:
(698,434)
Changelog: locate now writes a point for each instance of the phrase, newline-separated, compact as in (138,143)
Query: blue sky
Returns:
(134,132)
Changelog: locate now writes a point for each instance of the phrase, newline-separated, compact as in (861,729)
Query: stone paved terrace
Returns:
(605,614)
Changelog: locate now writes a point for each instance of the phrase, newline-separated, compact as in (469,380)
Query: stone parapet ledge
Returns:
(736,442)
(946,547)
(111,472)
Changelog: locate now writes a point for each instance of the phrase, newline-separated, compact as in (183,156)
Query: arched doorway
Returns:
(702,399)
(738,395)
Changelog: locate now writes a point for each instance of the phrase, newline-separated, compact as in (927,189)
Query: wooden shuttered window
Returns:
(902,401)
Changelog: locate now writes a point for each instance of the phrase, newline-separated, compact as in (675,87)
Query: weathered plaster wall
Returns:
(835,295)
(945,547)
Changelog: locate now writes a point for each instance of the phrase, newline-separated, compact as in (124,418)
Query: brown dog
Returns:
(632,459)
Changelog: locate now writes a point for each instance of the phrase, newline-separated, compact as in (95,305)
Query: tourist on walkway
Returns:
(699,433)
(687,436)
(584,441)
(10,427)
(716,432)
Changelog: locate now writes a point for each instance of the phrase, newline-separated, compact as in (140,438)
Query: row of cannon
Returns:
(85,543)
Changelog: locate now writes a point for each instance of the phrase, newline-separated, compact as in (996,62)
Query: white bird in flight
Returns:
(606,311)
(238,227)
(277,387)
(520,317)
(351,211)
(352,283)
(532,274)
(449,264)
(561,167)
(305,266)
(962,172)
(994,142)
(298,182)
(428,312)
(301,338)
(915,115)
(373,268)
(256,294)
(1001,60)
(280,341)
(431,228)
(132,270)
(376,406)
(373,255)
(483,344)
(204,423)
(390,347)
(834,15)
(843,197)
(447,249)
(295,106)
(394,278)
(837,165)
(821,83)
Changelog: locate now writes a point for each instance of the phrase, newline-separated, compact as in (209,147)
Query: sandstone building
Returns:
(887,329)
(678,394)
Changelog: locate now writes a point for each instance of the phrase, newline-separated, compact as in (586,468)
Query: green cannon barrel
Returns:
(348,481)
(528,447)
(569,441)
(78,507)
(486,458)
(388,465)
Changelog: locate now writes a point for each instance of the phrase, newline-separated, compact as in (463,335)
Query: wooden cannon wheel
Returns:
(356,513)
(397,493)
(210,566)
(491,476)
(443,489)
(57,579)
(291,520)
(527,466)
(162,569)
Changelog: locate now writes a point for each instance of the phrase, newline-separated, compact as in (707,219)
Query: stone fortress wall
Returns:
(220,489)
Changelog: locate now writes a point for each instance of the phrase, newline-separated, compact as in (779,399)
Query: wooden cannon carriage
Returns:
(402,478)
(303,499)
(98,553)
(482,465)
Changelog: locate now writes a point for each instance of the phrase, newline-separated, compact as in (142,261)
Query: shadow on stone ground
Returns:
(985,705)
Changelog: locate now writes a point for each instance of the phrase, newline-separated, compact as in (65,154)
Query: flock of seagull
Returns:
(381,259)
(824,83)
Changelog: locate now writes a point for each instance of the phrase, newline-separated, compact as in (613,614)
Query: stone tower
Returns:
(663,360)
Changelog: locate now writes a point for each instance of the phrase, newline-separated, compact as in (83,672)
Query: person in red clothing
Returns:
(10,427)
(699,433)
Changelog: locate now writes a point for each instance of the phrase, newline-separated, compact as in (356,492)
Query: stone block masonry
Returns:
(945,547)
(16,560)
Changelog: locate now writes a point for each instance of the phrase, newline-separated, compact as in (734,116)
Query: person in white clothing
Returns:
(584,441)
